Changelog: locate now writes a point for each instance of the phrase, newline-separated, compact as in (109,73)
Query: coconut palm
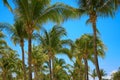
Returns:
(53,44)
(95,9)
(84,50)
(38,59)
(59,69)
(94,74)
(76,71)
(8,62)
(103,73)
(19,70)
(84,46)
(18,35)
(33,12)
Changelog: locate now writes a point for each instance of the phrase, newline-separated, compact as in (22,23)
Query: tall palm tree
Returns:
(95,9)
(33,12)
(84,46)
(18,36)
(53,44)
(85,49)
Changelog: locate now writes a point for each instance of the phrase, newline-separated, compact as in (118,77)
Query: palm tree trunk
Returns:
(50,65)
(35,72)
(4,76)
(50,68)
(29,56)
(95,51)
(86,69)
(23,60)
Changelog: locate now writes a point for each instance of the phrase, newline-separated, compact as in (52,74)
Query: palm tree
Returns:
(8,62)
(59,69)
(103,73)
(38,59)
(52,43)
(94,74)
(84,48)
(95,9)
(76,71)
(19,70)
(33,12)
(18,36)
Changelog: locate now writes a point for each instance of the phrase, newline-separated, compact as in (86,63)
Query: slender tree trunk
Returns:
(29,56)
(50,65)
(86,69)
(23,60)
(95,51)
(4,76)
(50,68)
(35,72)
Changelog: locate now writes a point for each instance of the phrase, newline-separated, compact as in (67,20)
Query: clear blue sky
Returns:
(108,27)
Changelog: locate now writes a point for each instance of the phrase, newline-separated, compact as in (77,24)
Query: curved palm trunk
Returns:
(86,69)
(23,59)
(95,51)
(30,56)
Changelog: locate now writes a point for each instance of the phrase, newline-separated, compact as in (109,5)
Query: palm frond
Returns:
(7,4)
(57,13)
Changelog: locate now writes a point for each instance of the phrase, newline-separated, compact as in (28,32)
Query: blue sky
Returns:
(108,27)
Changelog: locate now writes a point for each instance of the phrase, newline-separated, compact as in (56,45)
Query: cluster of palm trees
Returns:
(30,15)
